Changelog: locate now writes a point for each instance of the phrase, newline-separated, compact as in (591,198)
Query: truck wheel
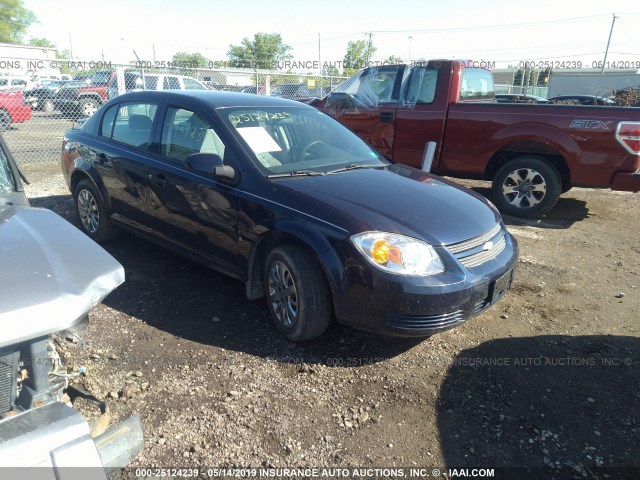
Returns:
(297,293)
(526,187)
(88,106)
(5,121)
(92,213)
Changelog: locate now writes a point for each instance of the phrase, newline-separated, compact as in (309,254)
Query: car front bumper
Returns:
(55,439)
(388,304)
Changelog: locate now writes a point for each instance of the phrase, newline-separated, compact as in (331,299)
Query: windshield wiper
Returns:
(354,166)
(295,173)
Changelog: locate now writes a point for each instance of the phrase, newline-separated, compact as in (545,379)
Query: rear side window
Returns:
(171,83)
(130,124)
(151,82)
(477,84)
(422,88)
(191,84)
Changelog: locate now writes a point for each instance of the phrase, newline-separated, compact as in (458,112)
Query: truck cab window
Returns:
(477,84)
(422,87)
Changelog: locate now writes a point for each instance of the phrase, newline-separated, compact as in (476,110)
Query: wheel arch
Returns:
(314,243)
(80,174)
(537,149)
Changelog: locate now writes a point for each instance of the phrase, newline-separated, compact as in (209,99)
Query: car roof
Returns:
(215,99)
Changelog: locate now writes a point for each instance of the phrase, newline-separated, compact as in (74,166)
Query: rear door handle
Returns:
(158,179)
(386,117)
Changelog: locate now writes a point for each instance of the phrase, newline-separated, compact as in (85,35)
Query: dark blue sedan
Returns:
(282,197)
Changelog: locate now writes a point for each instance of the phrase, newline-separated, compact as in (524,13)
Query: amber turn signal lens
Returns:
(382,252)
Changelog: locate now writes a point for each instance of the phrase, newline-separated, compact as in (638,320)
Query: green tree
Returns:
(358,55)
(190,60)
(264,51)
(15,19)
(41,42)
(393,60)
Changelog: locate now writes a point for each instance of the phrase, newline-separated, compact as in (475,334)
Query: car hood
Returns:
(402,199)
(52,274)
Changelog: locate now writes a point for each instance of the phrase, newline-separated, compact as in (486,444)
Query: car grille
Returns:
(428,322)
(6,387)
(474,252)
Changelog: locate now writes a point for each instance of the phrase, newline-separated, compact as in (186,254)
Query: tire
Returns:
(92,213)
(5,121)
(526,187)
(88,106)
(297,293)
(47,106)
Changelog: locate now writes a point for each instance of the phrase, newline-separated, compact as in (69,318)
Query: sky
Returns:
(504,32)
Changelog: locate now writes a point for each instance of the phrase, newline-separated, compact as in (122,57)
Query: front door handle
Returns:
(386,117)
(158,179)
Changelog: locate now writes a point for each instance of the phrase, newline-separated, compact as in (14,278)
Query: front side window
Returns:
(292,139)
(185,132)
(129,123)
(368,89)
(477,84)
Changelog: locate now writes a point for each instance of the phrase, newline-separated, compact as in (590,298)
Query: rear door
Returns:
(367,104)
(120,156)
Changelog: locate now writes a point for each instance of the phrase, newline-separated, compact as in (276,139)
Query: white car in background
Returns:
(133,82)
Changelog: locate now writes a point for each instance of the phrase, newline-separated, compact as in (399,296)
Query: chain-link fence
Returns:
(35,114)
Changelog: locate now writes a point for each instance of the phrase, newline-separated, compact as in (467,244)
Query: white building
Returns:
(22,60)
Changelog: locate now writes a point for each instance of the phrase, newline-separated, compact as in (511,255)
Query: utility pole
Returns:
(606,52)
(319,57)
(410,38)
(369,49)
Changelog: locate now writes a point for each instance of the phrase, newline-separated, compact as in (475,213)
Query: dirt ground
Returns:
(546,383)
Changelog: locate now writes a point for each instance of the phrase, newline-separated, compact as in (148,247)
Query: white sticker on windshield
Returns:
(259,140)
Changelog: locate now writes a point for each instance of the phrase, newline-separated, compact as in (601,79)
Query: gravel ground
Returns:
(548,378)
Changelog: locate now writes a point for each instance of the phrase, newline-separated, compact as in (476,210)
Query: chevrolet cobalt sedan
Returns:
(285,199)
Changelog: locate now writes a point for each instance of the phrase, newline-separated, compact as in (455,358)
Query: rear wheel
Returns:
(48,106)
(5,121)
(297,293)
(92,213)
(526,187)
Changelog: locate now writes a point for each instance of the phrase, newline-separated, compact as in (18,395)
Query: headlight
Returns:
(396,253)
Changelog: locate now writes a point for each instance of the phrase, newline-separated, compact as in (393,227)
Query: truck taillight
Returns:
(628,134)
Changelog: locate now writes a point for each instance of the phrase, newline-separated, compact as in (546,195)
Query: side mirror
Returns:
(209,163)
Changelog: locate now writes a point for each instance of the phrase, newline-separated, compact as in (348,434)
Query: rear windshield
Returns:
(477,84)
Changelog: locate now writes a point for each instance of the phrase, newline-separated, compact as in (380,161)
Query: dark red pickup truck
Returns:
(441,116)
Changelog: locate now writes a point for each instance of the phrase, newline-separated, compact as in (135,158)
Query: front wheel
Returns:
(5,121)
(92,213)
(88,106)
(297,293)
(526,187)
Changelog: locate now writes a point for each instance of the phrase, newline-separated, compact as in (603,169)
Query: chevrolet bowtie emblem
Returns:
(487,246)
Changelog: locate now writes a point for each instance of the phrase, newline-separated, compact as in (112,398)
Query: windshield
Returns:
(292,139)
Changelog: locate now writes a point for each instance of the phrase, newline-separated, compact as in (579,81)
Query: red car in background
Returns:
(12,108)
